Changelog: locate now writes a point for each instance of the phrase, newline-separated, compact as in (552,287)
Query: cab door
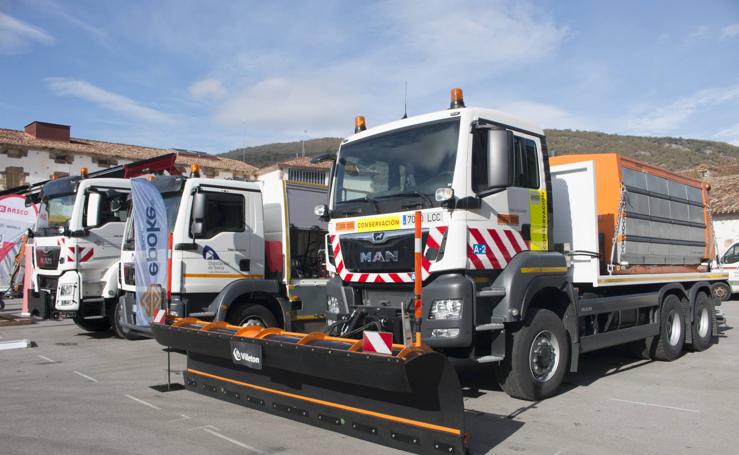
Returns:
(512,219)
(103,220)
(227,242)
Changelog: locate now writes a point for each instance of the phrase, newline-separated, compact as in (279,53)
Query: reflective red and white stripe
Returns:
(379,342)
(72,253)
(434,239)
(160,316)
(493,248)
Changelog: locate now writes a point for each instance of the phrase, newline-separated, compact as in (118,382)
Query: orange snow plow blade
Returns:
(410,400)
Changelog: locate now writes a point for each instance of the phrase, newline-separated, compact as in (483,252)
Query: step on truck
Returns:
(75,243)
(522,261)
(249,253)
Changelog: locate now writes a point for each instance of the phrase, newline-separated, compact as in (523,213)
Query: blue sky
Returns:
(213,76)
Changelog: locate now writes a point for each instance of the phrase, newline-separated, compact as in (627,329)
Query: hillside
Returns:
(670,152)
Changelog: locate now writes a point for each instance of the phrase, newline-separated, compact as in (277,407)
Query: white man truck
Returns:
(76,242)
(522,265)
(250,253)
(529,261)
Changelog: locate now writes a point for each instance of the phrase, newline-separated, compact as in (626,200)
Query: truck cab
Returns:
(75,245)
(245,252)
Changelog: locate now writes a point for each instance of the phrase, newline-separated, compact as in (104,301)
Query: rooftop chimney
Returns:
(49,131)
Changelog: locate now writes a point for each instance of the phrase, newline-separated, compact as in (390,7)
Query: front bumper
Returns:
(448,286)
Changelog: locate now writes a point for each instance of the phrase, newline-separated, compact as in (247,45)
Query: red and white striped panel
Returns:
(85,254)
(435,237)
(499,245)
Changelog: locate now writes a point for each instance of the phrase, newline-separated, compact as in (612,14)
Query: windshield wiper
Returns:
(423,196)
(363,199)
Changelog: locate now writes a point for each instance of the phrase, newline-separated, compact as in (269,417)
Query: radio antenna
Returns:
(405,101)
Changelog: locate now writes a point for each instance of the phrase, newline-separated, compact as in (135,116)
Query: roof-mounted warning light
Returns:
(195,170)
(83,172)
(359,124)
(457,99)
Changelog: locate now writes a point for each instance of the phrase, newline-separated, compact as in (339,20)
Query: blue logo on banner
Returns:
(479,248)
(210,254)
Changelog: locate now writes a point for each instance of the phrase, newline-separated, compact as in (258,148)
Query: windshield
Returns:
(410,163)
(53,213)
(171,204)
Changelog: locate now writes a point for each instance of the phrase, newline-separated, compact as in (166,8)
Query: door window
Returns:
(224,212)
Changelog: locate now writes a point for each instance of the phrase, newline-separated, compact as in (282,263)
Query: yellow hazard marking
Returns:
(543,269)
(389,417)
(221,275)
(539,220)
(380,223)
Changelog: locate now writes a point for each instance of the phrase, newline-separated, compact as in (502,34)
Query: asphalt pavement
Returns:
(81,393)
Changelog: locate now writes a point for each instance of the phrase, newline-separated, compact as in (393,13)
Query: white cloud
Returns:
(544,115)
(16,35)
(670,117)
(290,106)
(112,101)
(730,135)
(730,31)
(434,45)
(207,89)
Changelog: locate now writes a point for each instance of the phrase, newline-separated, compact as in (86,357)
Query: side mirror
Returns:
(322,212)
(92,218)
(500,158)
(28,201)
(29,233)
(197,226)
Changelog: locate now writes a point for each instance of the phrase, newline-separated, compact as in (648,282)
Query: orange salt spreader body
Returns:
(660,207)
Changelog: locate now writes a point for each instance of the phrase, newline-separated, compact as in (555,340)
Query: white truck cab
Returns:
(76,244)
(247,252)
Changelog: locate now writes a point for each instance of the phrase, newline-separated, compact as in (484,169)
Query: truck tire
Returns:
(702,327)
(119,329)
(668,345)
(252,314)
(92,325)
(721,291)
(536,357)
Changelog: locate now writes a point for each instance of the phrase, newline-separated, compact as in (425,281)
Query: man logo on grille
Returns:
(151,301)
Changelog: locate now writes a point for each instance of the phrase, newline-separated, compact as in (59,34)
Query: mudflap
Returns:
(410,400)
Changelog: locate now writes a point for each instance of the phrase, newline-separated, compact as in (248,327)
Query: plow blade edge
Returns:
(410,400)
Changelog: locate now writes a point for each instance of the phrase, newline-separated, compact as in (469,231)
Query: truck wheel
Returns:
(668,345)
(119,329)
(537,357)
(721,291)
(92,325)
(252,315)
(703,322)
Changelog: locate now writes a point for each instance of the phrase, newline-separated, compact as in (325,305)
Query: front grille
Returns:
(129,274)
(366,252)
(48,284)
(47,257)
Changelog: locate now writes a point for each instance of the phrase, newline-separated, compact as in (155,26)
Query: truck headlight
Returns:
(446,309)
(332,304)
(444,333)
(66,290)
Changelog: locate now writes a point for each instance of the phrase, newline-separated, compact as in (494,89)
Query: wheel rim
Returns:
(704,323)
(544,356)
(720,292)
(252,321)
(674,328)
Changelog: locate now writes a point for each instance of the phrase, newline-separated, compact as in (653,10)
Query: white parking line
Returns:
(89,378)
(654,405)
(143,402)
(232,441)
(46,358)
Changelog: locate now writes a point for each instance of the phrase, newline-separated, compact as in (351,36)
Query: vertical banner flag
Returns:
(150,258)
(15,219)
